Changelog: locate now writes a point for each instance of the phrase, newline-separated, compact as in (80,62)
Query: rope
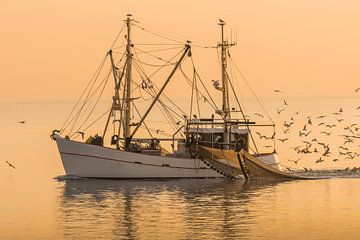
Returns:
(202,83)
(161,49)
(158,35)
(102,115)
(102,90)
(117,36)
(252,91)
(65,125)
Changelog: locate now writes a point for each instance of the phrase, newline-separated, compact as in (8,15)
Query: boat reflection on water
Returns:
(184,208)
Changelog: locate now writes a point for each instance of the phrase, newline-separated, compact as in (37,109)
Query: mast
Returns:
(128,81)
(225,81)
(224,45)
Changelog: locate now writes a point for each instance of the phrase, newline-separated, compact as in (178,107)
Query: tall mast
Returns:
(225,81)
(128,81)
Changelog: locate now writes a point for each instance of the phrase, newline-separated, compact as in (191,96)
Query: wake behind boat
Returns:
(199,147)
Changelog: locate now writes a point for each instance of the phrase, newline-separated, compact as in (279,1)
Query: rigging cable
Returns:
(155,86)
(105,79)
(242,112)
(92,82)
(202,83)
(252,91)
(101,116)
(102,90)
(159,50)
(117,36)
(156,34)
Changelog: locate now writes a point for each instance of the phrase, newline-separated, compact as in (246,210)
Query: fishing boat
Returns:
(220,145)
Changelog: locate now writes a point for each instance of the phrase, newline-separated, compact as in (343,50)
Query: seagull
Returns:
(306,134)
(309,121)
(319,160)
(286,131)
(216,83)
(295,161)
(321,124)
(55,131)
(327,152)
(258,114)
(285,103)
(260,136)
(279,110)
(10,165)
(335,160)
(277,91)
(283,139)
(340,120)
(21,122)
(288,125)
(341,110)
(82,134)
(344,148)
(327,133)
(322,116)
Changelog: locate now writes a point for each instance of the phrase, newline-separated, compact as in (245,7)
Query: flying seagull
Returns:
(10,165)
(277,91)
(279,110)
(260,115)
(82,134)
(21,122)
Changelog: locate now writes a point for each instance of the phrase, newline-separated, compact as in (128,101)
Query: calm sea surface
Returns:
(34,204)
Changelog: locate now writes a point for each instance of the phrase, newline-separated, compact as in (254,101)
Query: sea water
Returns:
(38,202)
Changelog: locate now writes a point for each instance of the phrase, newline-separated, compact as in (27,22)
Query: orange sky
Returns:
(49,49)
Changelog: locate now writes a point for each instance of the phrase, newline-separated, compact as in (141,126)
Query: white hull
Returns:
(85,160)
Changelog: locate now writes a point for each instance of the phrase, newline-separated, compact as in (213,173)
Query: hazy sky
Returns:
(49,49)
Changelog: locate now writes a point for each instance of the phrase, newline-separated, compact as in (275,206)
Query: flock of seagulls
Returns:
(317,135)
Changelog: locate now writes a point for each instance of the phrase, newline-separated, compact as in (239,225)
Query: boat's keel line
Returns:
(135,162)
